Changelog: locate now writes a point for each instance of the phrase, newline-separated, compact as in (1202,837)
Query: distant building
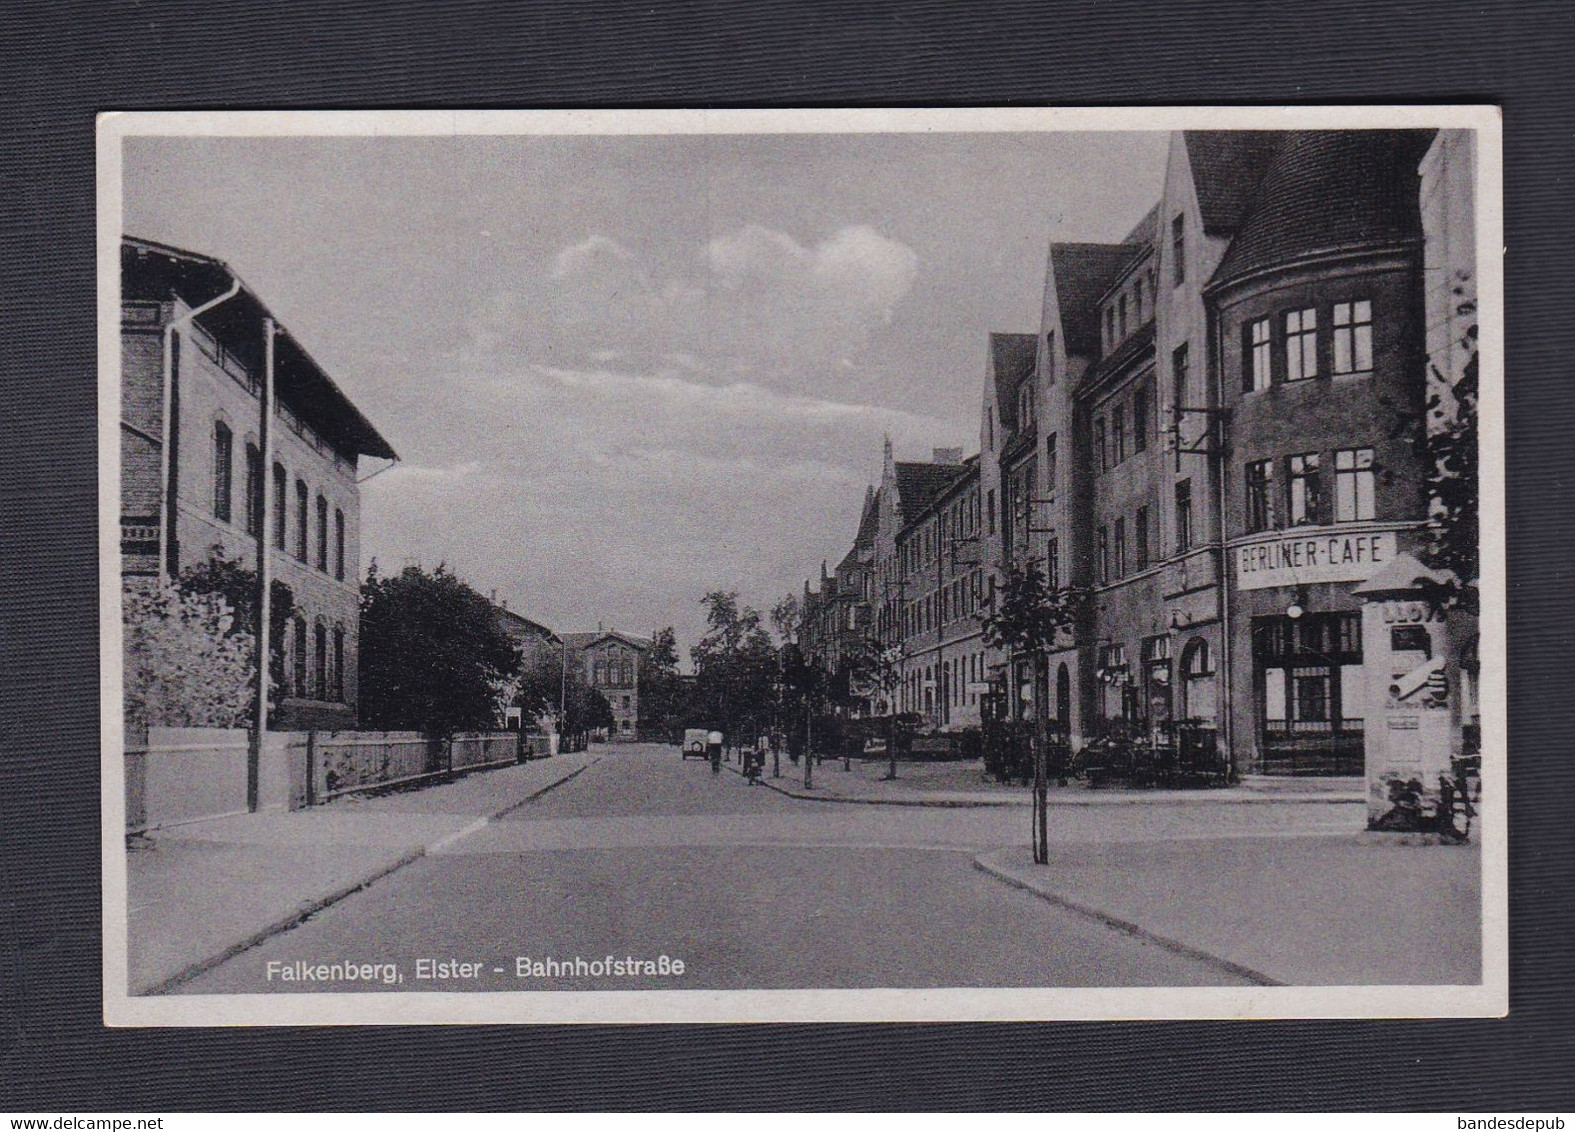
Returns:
(610,661)
(192,472)
(539,648)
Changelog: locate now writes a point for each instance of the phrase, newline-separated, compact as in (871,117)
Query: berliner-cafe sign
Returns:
(1321,555)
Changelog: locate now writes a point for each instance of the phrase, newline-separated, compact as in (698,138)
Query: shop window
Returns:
(1198,690)
(1353,337)
(222,471)
(1260,495)
(1305,506)
(1183,516)
(1257,367)
(1353,485)
(1301,344)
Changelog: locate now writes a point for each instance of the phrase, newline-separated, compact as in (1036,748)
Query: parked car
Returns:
(693,743)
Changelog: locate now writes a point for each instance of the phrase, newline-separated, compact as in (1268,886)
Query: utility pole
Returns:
(263,601)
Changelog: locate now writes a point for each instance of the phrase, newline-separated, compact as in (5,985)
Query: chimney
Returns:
(951,457)
(598,626)
(494,597)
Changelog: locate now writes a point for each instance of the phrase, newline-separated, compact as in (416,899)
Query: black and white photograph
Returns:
(664,565)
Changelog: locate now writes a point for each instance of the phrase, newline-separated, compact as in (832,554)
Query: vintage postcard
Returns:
(802,566)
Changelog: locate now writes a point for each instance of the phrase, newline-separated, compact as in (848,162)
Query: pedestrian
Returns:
(713,748)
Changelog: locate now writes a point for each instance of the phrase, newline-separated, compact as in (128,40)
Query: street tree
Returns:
(787,618)
(432,653)
(735,665)
(662,699)
(1030,618)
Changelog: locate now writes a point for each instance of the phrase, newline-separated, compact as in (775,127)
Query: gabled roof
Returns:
(153,271)
(918,484)
(1226,168)
(1012,358)
(524,624)
(1083,273)
(1146,231)
(1329,191)
(581,641)
(869,523)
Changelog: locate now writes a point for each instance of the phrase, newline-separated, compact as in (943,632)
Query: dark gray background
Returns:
(62,62)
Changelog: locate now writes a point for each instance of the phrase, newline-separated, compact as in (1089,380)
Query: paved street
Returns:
(645,855)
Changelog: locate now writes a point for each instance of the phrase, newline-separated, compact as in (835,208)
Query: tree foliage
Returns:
(433,656)
(1450,457)
(188,663)
(735,665)
(662,706)
(787,618)
(1030,616)
(236,583)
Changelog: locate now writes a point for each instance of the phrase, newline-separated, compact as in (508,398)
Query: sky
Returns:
(623,371)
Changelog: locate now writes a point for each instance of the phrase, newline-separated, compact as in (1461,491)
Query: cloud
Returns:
(750,301)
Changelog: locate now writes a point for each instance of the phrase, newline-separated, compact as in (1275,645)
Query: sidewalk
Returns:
(1301,911)
(964,784)
(200,893)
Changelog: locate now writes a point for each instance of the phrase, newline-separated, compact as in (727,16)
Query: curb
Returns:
(317,904)
(1127,927)
(1201,798)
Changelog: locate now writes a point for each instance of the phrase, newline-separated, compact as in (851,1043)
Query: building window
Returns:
(1137,301)
(1258,356)
(1121,317)
(1353,485)
(1260,495)
(1118,435)
(1140,419)
(1053,563)
(320,662)
(989,426)
(1178,250)
(1301,344)
(1353,337)
(281,501)
(1183,516)
(339,664)
(1104,554)
(1099,445)
(1121,547)
(301,508)
(1025,405)
(1305,506)
(1140,536)
(222,472)
(989,511)
(1050,467)
(322,534)
(254,490)
(1178,374)
(300,659)
(1110,329)
(1050,358)
(339,544)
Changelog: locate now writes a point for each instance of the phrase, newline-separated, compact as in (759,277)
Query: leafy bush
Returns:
(187,664)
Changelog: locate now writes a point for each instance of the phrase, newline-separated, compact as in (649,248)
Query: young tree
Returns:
(787,618)
(1030,619)
(432,653)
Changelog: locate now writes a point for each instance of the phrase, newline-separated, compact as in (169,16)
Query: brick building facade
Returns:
(192,468)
